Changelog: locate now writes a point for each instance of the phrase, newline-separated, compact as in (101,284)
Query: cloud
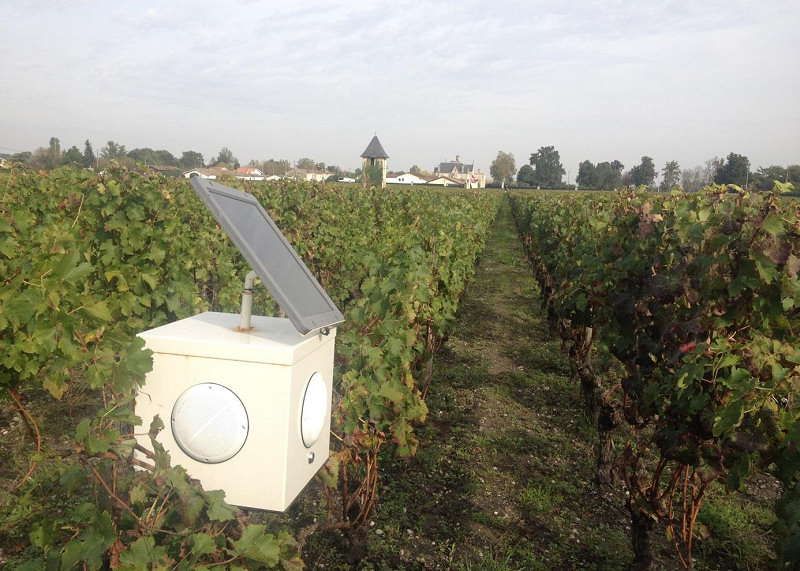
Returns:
(600,79)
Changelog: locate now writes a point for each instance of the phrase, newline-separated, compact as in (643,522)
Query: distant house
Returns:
(445,181)
(209,173)
(249,173)
(464,173)
(308,174)
(405,178)
(212,173)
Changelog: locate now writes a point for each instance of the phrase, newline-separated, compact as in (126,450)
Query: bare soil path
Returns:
(503,476)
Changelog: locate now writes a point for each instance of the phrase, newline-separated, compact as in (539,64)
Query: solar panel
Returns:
(270,255)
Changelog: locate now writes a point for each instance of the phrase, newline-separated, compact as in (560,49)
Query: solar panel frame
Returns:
(274,260)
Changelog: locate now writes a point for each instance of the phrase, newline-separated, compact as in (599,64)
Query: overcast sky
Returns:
(681,80)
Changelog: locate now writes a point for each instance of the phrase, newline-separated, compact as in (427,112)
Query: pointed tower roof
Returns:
(374,150)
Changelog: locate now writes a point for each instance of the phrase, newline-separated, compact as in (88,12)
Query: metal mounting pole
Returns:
(247,301)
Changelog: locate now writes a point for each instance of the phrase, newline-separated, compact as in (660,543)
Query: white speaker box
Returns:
(245,412)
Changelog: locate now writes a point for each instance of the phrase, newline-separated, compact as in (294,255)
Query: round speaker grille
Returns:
(209,423)
(315,407)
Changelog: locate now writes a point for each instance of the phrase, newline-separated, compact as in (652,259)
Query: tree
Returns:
(306,163)
(587,175)
(609,175)
(72,157)
(113,151)
(644,173)
(21,157)
(275,167)
(165,158)
(672,173)
(604,176)
(54,153)
(89,160)
(503,168)
(191,160)
(711,169)
(735,170)
(225,159)
(764,178)
(40,159)
(546,163)
(692,179)
(526,176)
(415,169)
(793,175)
(146,156)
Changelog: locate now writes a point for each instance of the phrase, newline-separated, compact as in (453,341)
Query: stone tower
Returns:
(373,156)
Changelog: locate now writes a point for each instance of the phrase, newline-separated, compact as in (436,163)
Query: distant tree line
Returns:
(52,156)
(546,171)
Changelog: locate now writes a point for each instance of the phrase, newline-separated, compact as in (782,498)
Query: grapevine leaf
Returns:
(738,474)
(218,508)
(202,544)
(258,546)
(72,478)
(730,416)
(44,534)
(766,267)
(99,310)
(91,543)
(145,554)
(773,224)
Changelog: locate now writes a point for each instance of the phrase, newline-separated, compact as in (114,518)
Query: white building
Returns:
(405,178)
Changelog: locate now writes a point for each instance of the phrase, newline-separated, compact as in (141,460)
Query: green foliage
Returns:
(644,173)
(191,160)
(546,163)
(89,159)
(226,159)
(604,176)
(526,176)
(503,168)
(695,296)
(672,176)
(734,170)
(373,175)
(90,260)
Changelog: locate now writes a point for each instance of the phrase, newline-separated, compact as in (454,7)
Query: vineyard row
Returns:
(681,318)
(89,260)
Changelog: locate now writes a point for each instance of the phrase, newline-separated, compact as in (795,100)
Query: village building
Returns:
(213,173)
(209,173)
(249,173)
(308,174)
(405,178)
(373,156)
(445,181)
(465,174)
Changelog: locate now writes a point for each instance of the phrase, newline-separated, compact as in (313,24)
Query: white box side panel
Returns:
(256,476)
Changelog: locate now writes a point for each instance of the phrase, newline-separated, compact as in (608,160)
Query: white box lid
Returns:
(271,340)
